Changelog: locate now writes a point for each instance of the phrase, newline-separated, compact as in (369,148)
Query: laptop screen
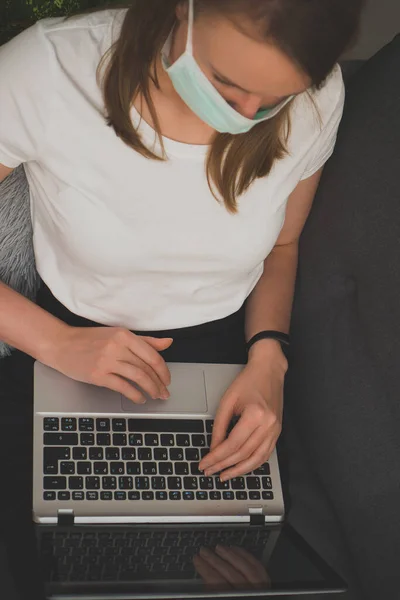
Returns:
(173,561)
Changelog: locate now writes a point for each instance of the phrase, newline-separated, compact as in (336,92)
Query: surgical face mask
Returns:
(201,96)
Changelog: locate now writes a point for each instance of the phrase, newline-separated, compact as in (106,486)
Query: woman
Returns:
(170,191)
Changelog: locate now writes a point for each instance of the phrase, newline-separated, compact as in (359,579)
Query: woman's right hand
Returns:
(112,357)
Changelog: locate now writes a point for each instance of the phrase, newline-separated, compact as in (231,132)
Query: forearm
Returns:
(26,326)
(269,307)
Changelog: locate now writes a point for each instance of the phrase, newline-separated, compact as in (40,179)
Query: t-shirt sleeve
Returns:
(25,96)
(331,112)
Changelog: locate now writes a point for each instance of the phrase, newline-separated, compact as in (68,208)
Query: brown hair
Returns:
(312,33)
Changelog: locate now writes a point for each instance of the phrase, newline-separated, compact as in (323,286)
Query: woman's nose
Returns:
(249,106)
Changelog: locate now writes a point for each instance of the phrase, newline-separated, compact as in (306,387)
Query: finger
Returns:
(115,383)
(253,443)
(221,423)
(252,571)
(207,572)
(145,350)
(134,373)
(257,459)
(238,436)
(131,358)
(223,567)
(258,567)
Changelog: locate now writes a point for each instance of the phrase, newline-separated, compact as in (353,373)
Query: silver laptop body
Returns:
(62,406)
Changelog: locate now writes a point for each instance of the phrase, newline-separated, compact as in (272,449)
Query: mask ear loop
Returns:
(189,43)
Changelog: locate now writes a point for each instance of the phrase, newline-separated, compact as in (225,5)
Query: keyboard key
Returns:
(133,468)
(68,424)
(52,455)
(268,495)
(149,468)
(79,453)
(228,495)
(49,495)
(135,439)
(100,468)
(147,495)
(92,483)
(190,483)
(54,483)
(194,469)
(84,468)
(75,483)
(109,483)
(161,496)
(60,439)
(174,483)
(96,453)
(165,468)
(142,483)
(106,496)
(181,468)
(202,495)
(192,454)
(188,495)
(128,453)
(112,453)
(103,424)
(151,439)
(209,440)
(198,441)
(255,495)
(176,454)
(92,495)
(134,495)
(119,495)
(103,439)
(209,426)
(117,468)
(87,439)
(175,496)
(167,440)
(221,485)
(119,439)
(267,483)
(160,454)
(204,452)
(253,483)
(166,425)
(206,483)
(64,496)
(67,468)
(241,495)
(238,483)
(119,425)
(182,440)
(158,483)
(215,495)
(50,468)
(78,496)
(86,424)
(263,470)
(51,424)
(145,454)
(125,483)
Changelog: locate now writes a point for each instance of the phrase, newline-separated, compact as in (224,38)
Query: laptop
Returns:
(121,506)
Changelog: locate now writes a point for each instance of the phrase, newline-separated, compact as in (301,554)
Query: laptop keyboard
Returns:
(129,555)
(120,459)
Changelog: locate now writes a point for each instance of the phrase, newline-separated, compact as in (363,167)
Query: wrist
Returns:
(48,346)
(268,351)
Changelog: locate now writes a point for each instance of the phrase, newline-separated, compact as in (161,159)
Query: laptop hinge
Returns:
(257,517)
(65,518)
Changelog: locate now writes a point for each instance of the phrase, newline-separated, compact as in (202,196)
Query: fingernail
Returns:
(143,401)
(164,396)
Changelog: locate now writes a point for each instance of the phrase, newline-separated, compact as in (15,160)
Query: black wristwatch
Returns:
(279,336)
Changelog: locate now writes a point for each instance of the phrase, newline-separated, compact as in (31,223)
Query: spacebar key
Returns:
(166,425)
(60,439)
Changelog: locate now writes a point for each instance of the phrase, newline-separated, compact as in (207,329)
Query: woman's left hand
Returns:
(257,397)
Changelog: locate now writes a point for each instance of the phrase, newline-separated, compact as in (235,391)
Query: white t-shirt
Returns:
(121,239)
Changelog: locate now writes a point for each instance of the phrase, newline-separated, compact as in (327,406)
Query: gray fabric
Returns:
(17,261)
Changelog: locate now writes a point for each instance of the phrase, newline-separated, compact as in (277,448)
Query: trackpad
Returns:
(187,389)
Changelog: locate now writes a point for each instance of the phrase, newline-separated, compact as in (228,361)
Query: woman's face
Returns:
(249,74)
